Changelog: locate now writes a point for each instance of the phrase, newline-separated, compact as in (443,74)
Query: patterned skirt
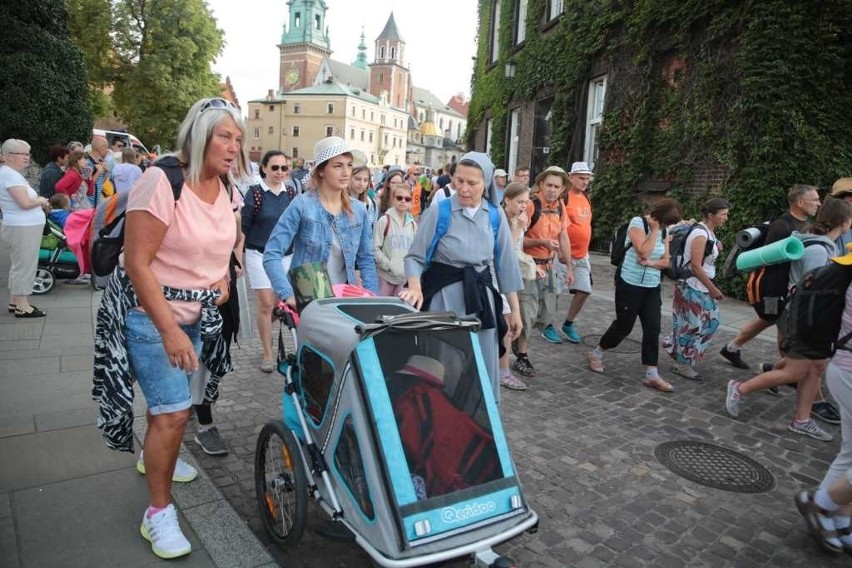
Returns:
(695,320)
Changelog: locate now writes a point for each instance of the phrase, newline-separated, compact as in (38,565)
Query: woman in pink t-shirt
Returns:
(182,244)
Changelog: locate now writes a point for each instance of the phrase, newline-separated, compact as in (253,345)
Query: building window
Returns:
(257,113)
(514,137)
(271,130)
(441,123)
(555,8)
(382,118)
(386,141)
(295,152)
(371,136)
(372,116)
(372,158)
(271,108)
(489,130)
(297,19)
(257,133)
(542,126)
(363,113)
(297,108)
(352,134)
(295,132)
(521,21)
(381,78)
(381,55)
(594,119)
(362,134)
(330,108)
(494,40)
(318,23)
(329,131)
(393,53)
(420,116)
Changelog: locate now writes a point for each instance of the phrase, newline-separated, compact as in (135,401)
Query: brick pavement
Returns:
(584,446)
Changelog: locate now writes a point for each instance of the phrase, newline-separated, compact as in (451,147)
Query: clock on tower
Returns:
(292,76)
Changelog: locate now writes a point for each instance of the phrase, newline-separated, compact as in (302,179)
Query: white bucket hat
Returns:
(328,148)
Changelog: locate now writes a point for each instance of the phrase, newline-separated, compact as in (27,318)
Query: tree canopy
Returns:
(153,56)
(164,49)
(43,82)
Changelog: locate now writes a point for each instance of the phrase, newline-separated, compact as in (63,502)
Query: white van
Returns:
(129,139)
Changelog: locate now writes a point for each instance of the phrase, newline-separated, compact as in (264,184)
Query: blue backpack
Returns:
(445,207)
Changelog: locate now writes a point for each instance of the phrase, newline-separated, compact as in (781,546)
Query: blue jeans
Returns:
(166,388)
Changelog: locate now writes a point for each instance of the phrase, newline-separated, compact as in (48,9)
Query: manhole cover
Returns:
(626,346)
(714,466)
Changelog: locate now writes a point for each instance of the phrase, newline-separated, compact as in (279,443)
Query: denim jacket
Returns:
(308,225)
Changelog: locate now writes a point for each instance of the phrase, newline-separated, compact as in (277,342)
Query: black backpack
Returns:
(619,243)
(815,310)
(678,268)
(740,246)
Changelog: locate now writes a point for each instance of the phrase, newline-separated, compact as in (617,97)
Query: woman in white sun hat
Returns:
(324,225)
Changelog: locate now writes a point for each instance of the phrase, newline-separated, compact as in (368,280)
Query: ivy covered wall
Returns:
(758,89)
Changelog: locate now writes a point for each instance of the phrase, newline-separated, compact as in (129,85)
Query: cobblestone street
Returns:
(584,446)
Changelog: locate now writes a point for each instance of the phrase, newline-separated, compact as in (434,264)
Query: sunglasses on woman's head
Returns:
(402,198)
(217,103)
(276,168)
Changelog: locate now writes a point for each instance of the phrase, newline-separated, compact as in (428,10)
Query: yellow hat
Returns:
(846,259)
(841,187)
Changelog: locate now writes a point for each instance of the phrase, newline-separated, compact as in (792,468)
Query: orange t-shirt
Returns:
(548,226)
(579,210)
(197,246)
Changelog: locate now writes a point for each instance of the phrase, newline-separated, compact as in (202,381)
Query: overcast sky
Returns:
(439,40)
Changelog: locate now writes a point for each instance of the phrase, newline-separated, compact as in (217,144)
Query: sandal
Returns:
(33,312)
(12,308)
(658,384)
(595,363)
(811,512)
(267,366)
(687,372)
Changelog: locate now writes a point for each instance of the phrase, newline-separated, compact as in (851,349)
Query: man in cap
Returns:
(547,234)
(842,189)
(578,207)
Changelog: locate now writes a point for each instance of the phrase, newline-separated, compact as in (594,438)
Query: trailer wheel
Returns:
(281,485)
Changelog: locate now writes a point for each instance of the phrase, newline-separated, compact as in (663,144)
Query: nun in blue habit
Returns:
(463,276)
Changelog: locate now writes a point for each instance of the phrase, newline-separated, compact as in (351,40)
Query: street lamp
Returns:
(510,70)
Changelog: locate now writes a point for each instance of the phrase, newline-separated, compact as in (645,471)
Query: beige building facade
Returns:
(293,122)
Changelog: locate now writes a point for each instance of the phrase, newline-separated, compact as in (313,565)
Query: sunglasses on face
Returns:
(277,168)
(217,103)
(402,198)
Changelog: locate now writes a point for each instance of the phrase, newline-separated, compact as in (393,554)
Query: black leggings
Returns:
(630,302)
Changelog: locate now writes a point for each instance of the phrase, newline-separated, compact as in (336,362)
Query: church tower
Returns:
(304,44)
(388,72)
(361,60)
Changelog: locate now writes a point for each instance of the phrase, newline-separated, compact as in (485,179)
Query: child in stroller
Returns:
(55,259)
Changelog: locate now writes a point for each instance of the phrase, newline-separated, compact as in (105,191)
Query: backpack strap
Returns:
(445,208)
(173,169)
(447,192)
(257,197)
(536,212)
(387,227)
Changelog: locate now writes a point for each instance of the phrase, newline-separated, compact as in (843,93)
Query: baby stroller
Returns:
(55,260)
(391,427)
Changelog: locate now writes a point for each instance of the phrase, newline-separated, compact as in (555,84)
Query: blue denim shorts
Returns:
(166,388)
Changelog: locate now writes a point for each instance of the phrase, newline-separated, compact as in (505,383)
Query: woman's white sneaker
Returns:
(183,472)
(162,530)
